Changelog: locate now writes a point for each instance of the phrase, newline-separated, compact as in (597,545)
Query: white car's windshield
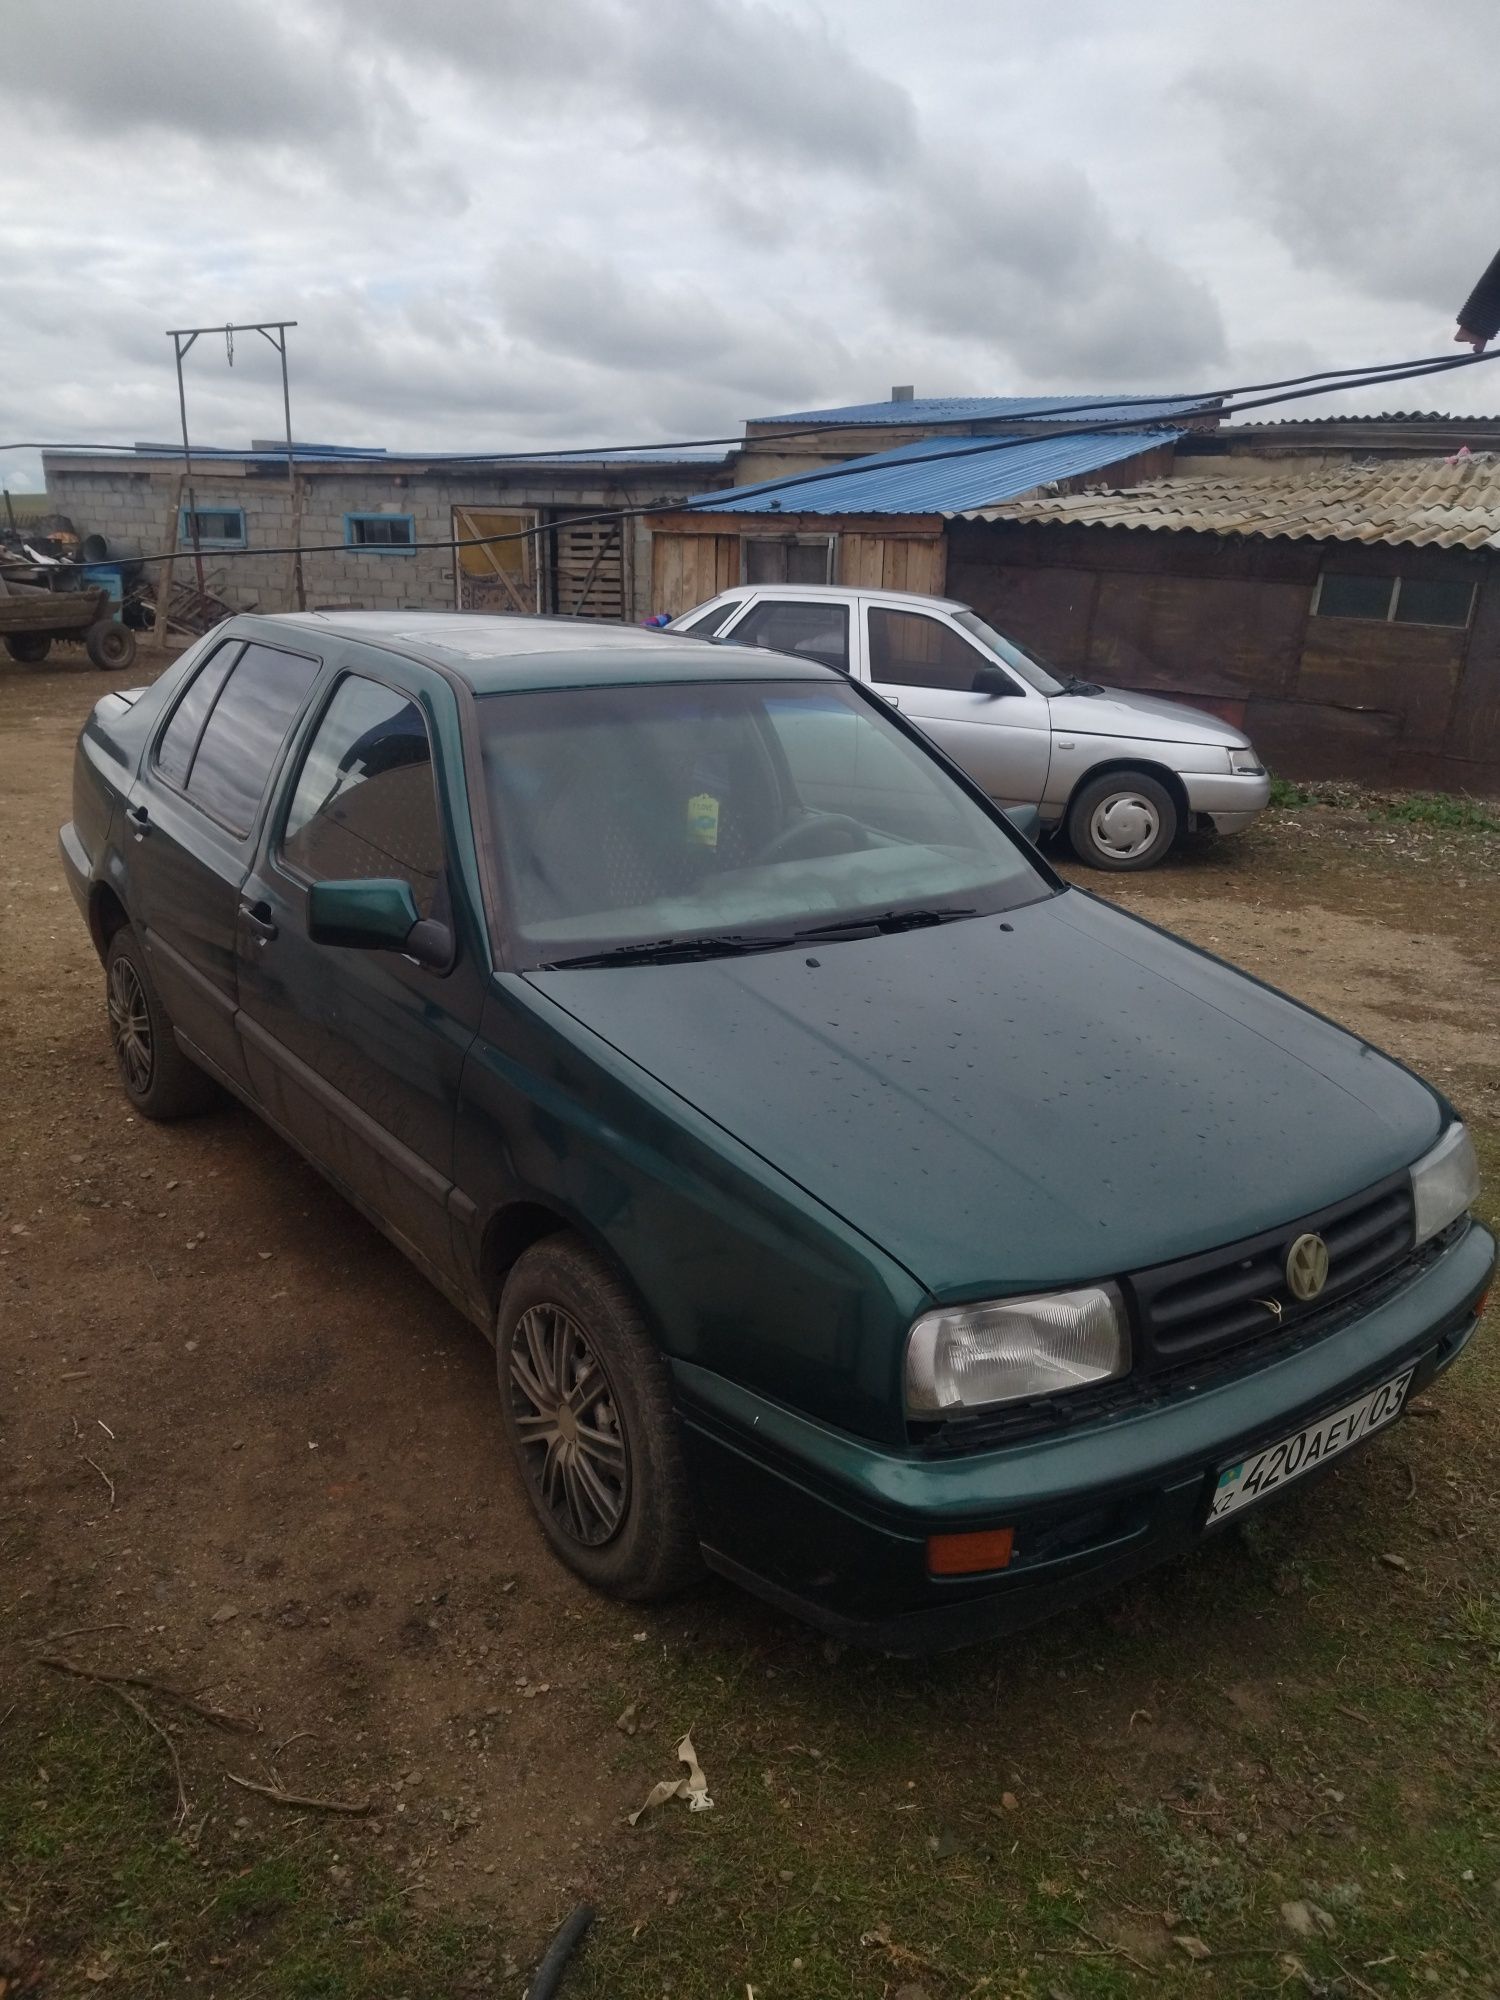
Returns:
(727,815)
(1026,665)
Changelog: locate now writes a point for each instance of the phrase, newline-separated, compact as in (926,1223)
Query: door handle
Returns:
(140,821)
(258,917)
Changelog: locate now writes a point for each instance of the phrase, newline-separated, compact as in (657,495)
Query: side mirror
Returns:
(993,681)
(378,915)
(1027,822)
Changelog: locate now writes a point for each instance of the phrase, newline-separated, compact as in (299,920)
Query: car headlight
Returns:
(1444,1182)
(1246,764)
(968,1357)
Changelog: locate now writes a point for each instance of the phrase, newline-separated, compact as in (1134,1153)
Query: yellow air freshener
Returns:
(703,819)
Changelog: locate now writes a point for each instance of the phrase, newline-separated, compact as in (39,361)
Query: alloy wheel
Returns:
(130,1025)
(567,1423)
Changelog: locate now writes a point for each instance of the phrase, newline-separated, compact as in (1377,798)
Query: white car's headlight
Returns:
(968,1357)
(1444,1182)
(1246,764)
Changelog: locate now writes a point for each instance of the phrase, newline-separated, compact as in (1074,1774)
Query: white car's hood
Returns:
(1123,712)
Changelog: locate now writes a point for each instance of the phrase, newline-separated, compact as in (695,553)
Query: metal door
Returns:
(923,664)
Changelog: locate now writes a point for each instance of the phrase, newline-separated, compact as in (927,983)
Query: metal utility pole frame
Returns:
(275,331)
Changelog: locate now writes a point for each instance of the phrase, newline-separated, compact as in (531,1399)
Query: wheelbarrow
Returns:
(31,618)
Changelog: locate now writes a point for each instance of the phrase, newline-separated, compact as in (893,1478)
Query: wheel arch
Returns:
(107,914)
(1148,767)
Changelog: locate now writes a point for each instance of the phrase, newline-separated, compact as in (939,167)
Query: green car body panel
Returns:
(790,1156)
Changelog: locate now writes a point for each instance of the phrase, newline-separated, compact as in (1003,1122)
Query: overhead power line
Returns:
(1214,404)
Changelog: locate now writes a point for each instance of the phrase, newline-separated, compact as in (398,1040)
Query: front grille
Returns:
(1203,1305)
(1053,1416)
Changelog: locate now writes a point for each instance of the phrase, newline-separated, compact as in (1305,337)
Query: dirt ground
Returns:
(245,1444)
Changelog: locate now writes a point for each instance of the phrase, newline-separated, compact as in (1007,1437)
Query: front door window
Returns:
(911,649)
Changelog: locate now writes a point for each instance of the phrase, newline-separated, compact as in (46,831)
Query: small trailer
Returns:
(32,617)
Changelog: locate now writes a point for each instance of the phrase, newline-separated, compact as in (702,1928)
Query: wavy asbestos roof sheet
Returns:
(1441,503)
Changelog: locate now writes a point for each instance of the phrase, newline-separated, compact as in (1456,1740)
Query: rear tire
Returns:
(154,1073)
(109,644)
(29,648)
(1123,821)
(588,1411)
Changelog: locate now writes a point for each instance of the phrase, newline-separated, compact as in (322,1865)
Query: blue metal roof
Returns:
(910,480)
(984,409)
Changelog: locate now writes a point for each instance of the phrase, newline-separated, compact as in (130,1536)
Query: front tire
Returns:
(154,1073)
(1124,820)
(588,1412)
(28,648)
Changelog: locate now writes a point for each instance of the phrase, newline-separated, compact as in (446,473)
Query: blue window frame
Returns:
(218,527)
(382,534)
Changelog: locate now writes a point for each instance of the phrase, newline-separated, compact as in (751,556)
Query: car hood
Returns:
(1076,1095)
(1123,712)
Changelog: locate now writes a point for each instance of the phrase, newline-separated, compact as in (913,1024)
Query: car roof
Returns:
(503,652)
(839,593)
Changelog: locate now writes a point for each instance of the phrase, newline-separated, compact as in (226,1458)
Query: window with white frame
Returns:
(1394,600)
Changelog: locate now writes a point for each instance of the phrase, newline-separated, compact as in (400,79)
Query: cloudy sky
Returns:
(499,223)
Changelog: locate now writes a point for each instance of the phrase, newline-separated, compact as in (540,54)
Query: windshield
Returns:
(1026,664)
(735,812)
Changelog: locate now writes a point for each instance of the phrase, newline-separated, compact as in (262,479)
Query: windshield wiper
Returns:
(883,922)
(668,951)
(1075,684)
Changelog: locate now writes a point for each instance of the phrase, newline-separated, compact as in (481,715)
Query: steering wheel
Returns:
(806,838)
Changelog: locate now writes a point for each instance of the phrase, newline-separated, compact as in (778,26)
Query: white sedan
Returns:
(1125,773)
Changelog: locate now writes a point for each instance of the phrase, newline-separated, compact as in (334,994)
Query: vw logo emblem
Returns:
(1307,1267)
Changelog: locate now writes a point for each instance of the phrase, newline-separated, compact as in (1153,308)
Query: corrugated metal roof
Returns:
(900,482)
(984,409)
(1442,503)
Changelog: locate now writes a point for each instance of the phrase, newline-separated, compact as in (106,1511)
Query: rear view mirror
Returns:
(993,681)
(1027,822)
(377,915)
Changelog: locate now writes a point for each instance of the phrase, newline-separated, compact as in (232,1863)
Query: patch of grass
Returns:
(1440,809)
(97,1893)
(1445,811)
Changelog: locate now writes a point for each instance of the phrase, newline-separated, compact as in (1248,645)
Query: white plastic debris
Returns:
(693,1788)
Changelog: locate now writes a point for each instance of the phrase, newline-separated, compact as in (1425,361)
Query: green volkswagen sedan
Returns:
(856,1209)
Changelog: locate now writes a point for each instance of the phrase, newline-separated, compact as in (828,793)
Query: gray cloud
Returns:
(735,77)
(1361,156)
(235,71)
(499,223)
(1030,266)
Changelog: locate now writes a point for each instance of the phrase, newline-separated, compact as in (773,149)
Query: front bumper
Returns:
(834,1529)
(1229,800)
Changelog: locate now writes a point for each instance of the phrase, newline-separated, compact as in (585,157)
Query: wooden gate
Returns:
(588,568)
(495,576)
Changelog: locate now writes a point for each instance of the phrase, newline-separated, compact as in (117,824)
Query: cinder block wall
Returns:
(135,508)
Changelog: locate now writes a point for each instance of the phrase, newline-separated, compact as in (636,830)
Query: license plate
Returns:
(1279,1464)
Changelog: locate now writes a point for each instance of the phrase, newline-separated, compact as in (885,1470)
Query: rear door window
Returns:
(806,630)
(174,753)
(245,731)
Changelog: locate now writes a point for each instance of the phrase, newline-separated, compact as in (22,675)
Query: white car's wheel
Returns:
(1123,820)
